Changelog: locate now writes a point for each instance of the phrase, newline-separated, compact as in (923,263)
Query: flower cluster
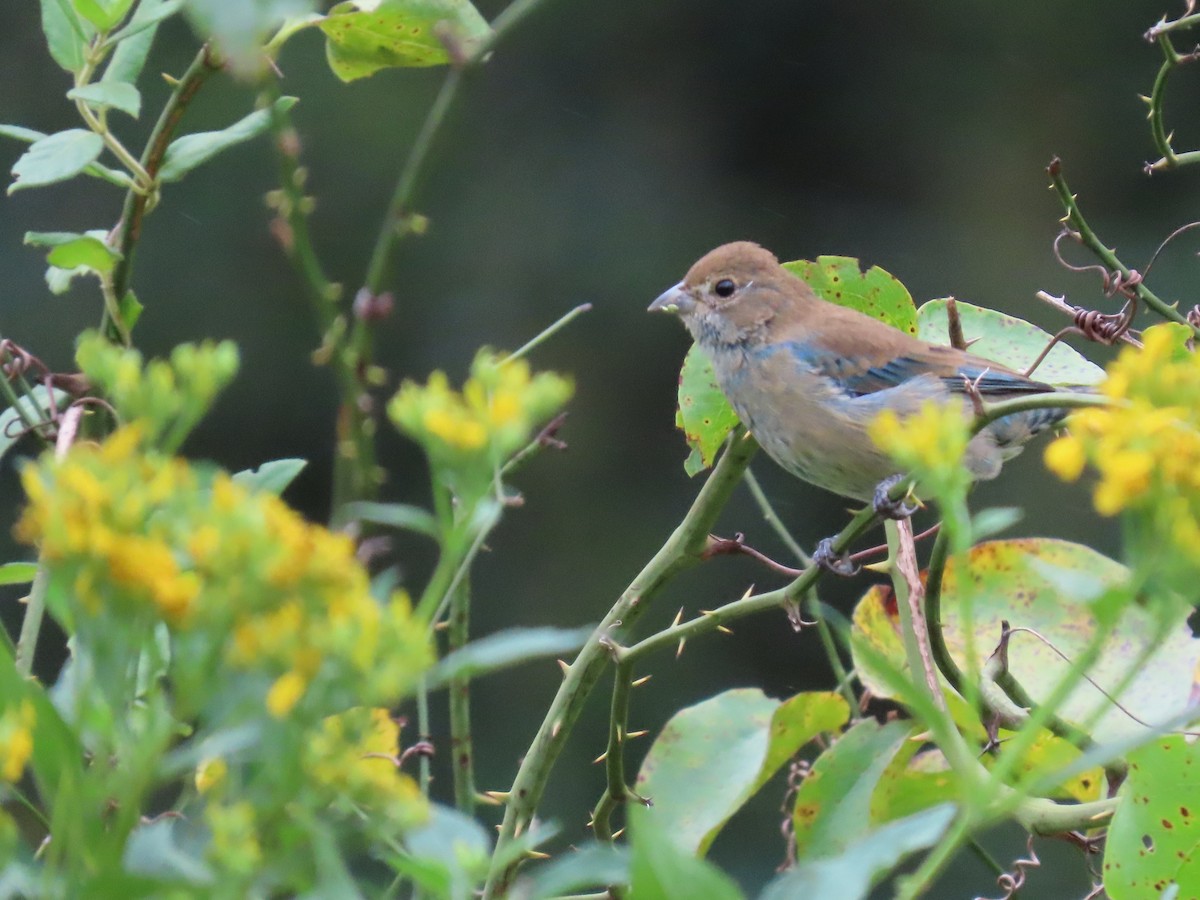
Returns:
(353,757)
(1146,445)
(134,537)
(929,444)
(468,434)
(168,396)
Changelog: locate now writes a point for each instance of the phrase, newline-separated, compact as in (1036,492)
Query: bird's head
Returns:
(730,294)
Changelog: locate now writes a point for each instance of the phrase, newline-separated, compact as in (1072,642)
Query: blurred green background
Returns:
(603,149)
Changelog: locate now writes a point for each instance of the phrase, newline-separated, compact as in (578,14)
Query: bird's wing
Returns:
(860,371)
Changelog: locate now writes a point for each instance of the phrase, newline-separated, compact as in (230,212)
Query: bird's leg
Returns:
(888,508)
(832,561)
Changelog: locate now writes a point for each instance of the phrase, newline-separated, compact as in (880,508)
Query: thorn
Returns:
(556,728)
(638,734)
(679,649)
(601,758)
(749,593)
(678,617)
(620,735)
(638,682)
(618,833)
(922,737)
(724,629)
(564,665)
(707,612)
(441,626)
(536,854)
(883,567)
(494,798)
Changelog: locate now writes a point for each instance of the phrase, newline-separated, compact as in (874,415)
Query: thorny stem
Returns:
(1074,220)
(1172,59)
(615,791)
(462,760)
(129,228)
(681,551)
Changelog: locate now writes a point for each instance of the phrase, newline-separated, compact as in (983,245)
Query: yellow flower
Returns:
(211,773)
(16,740)
(285,693)
(1065,457)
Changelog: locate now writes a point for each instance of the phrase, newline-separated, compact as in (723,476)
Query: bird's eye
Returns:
(725,287)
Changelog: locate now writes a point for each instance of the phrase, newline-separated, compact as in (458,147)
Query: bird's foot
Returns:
(832,561)
(888,508)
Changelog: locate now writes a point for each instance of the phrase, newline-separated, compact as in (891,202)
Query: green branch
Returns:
(137,200)
(1074,220)
(615,790)
(682,550)
(462,755)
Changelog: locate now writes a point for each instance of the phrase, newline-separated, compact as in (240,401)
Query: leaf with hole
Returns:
(364,36)
(1153,844)
(1055,589)
(1009,341)
(842,280)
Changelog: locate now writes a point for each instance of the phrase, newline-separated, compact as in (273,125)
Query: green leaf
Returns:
(104,14)
(19,133)
(155,850)
(659,870)
(192,150)
(67,35)
(129,309)
(390,515)
(89,251)
(56,157)
(594,865)
(134,40)
(833,803)
(364,36)
(1153,842)
(57,760)
(712,757)
(840,280)
(109,95)
(272,477)
(28,135)
(1056,588)
(850,874)
(240,29)
(704,415)
(1009,341)
(914,780)
(447,855)
(506,649)
(36,407)
(17,572)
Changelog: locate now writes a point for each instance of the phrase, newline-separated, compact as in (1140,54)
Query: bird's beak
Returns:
(673,300)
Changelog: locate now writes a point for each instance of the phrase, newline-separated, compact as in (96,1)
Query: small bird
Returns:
(807,376)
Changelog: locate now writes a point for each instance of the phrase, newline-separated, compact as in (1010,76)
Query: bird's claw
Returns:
(832,561)
(888,508)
